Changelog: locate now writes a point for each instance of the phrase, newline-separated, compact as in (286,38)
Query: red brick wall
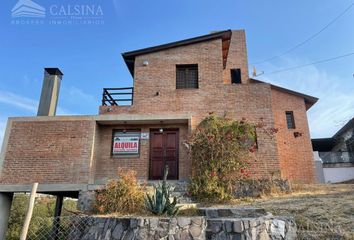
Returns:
(60,151)
(215,94)
(295,153)
(250,101)
(237,56)
(48,152)
(107,165)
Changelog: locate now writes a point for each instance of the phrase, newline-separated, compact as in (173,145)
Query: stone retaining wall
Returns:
(251,228)
(179,228)
(184,228)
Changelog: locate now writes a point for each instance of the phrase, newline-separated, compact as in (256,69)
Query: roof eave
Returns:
(175,44)
(347,126)
(309,100)
(129,57)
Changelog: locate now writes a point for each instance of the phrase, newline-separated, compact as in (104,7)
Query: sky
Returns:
(89,53)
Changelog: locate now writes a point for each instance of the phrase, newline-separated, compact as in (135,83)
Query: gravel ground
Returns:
(320,211)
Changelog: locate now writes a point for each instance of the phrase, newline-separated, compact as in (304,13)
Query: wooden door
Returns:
(163,151)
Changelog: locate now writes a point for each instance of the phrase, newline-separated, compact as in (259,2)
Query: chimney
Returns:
(50,92)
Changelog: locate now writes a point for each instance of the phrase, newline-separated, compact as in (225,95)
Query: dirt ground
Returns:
(320,211)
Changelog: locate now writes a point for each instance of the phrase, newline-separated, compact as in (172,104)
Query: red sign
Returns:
(126,145)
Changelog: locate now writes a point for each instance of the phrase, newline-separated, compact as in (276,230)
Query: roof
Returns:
(309,100)
(347,126)
(322,144)
(326,144)
(129,57)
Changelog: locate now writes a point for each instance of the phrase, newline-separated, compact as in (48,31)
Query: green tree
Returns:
(44,209)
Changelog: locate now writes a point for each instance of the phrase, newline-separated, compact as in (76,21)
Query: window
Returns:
(186,76)
(126,142)
(290,119)
(235,76)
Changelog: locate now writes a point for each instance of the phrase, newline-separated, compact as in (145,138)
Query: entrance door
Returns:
(163,151)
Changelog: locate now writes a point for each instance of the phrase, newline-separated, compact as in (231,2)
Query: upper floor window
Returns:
(290,121)
(235,76)
(187,76)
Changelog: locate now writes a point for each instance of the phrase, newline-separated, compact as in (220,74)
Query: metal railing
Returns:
(117,96)
(337,157)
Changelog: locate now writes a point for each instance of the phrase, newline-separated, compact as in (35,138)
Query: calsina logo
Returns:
(29,12)
(27,8)
(76,10)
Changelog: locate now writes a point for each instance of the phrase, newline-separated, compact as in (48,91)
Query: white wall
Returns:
(319,168)
(338,174)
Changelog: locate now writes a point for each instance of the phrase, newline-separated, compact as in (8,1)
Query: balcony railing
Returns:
(117,96)
(337,157)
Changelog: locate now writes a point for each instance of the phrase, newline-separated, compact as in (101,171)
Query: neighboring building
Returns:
(143,128)
(336,154)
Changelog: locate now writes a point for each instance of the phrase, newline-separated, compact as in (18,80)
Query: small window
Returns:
(290,119)
(186,76)
(236,76)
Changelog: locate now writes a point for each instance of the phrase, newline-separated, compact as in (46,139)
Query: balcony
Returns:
(118,96)
(337,157)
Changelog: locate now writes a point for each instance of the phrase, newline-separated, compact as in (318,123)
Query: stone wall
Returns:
(140,228)
(251,228)
(217,224)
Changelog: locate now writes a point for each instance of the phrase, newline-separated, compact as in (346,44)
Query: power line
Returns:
(309,64)
(309,38)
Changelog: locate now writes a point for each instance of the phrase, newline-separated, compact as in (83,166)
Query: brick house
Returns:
(175,86)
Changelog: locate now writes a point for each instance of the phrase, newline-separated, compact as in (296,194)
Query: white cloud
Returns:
(18,101)
(78,93)
(336,99)
(25,103)
(30,105)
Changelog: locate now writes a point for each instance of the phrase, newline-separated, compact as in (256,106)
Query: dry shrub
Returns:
(121,196)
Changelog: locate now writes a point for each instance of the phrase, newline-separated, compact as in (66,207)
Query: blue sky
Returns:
(90,54)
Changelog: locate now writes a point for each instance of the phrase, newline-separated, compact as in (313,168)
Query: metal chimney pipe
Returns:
(50,92)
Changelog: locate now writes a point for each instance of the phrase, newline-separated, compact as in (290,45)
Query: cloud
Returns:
(336,99)
(78,93)
(25,103)
(19,101)
(29,105)
(29,81)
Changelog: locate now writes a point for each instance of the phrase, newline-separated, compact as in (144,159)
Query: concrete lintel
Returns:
(54,118)
(43,188)
(92,187)
(143,119)
(110,117)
